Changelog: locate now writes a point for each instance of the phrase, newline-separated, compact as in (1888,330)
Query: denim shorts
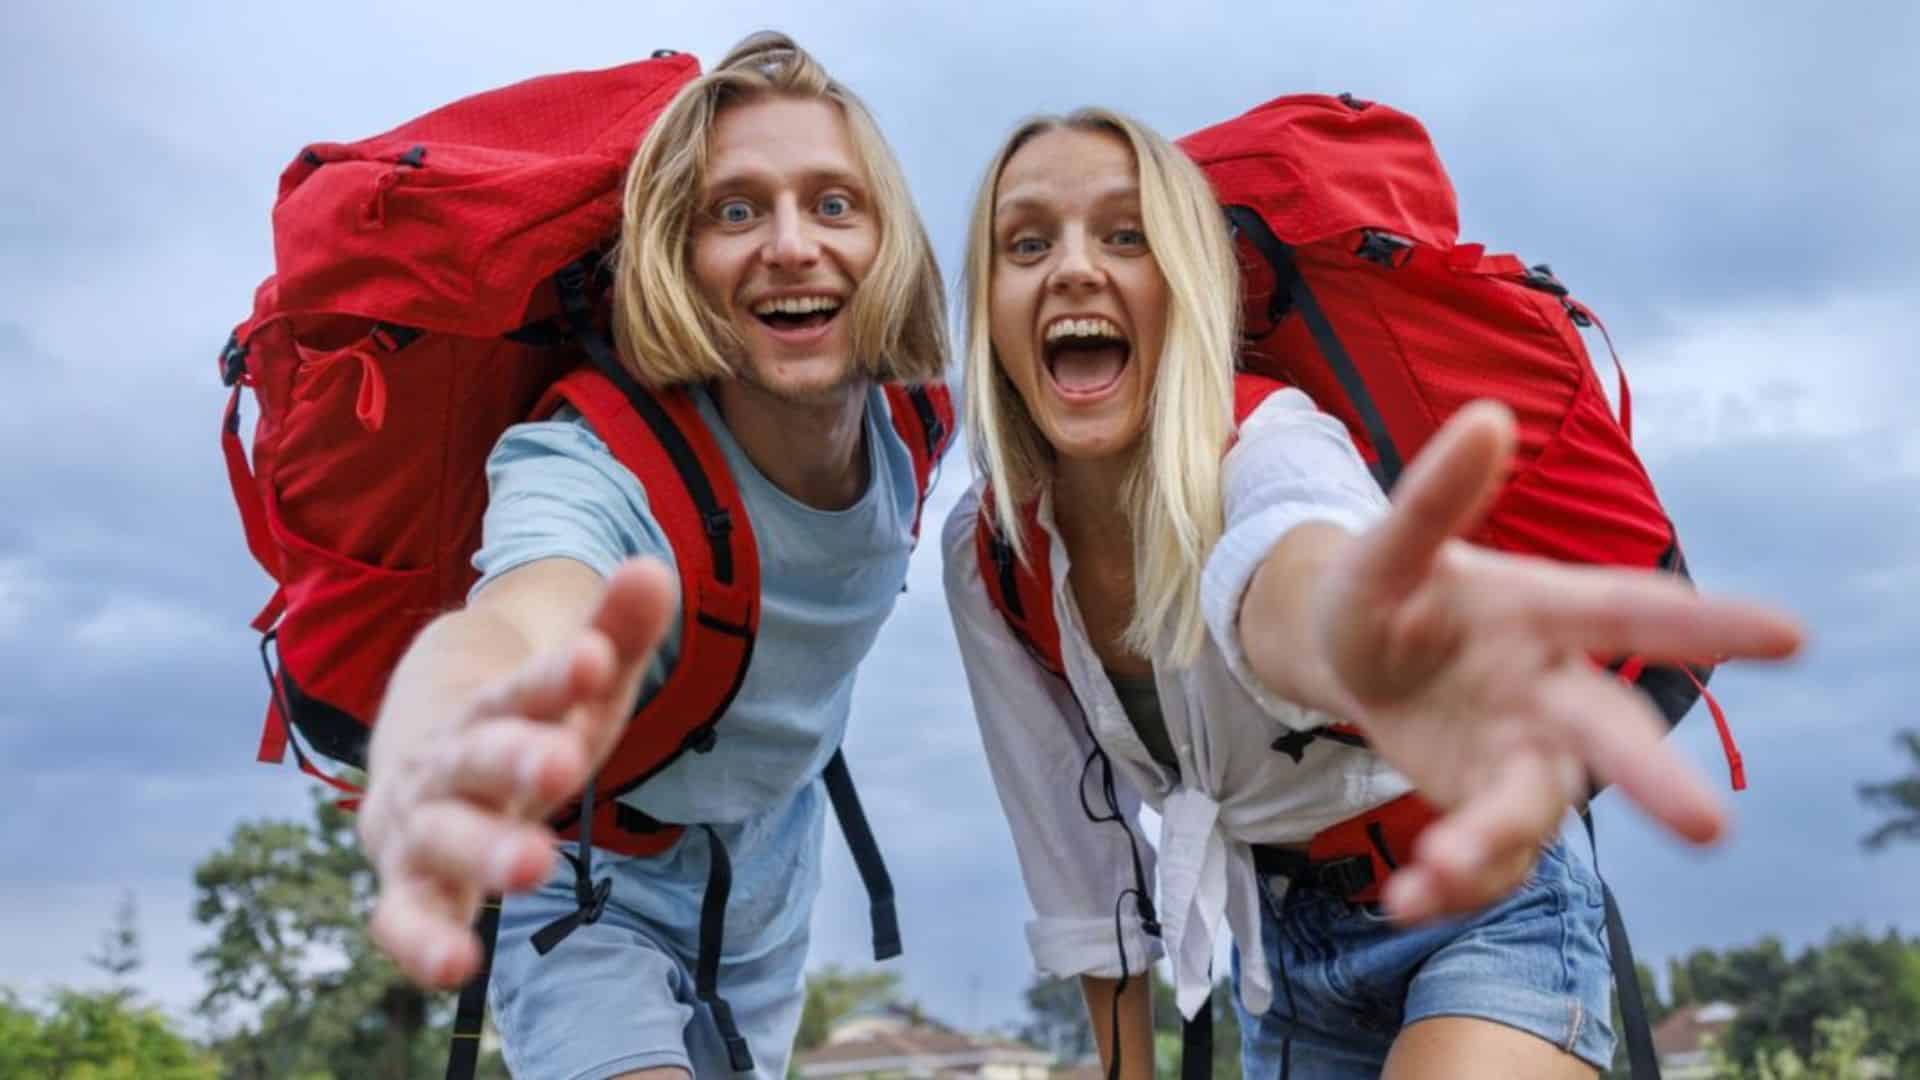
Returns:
(1346,981)
(618,994)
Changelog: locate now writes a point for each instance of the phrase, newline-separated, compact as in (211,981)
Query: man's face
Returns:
(782,235)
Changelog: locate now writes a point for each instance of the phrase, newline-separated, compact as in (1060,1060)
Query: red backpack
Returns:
(1357,291)
(434,285)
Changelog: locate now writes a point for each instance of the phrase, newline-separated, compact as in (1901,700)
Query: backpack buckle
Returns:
(233,360)
(1541,277)
(717,522)
(1383,248)
(1344,876)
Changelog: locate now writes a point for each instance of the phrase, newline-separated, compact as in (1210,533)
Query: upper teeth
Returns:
(795,305)
(1087,328)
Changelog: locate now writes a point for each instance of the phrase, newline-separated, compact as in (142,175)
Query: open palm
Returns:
(1469,671)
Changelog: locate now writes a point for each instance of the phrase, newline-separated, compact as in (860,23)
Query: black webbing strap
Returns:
(1196,1043)
(471,1012)
(866,857)
(590,897)
(713,925)
(1287,276)
(577,304)
(1643,1062)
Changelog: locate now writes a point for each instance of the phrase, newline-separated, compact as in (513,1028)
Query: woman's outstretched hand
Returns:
(1470,672)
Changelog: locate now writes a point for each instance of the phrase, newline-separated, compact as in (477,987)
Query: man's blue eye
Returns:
(834,206)
(1029,245)
(734,212)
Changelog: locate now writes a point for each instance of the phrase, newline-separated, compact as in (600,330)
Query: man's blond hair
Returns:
(667,331)
(1173,491)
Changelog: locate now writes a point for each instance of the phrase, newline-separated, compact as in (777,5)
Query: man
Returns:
(771,261)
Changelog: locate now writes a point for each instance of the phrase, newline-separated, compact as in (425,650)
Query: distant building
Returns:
(893,1043)
(1680,1040)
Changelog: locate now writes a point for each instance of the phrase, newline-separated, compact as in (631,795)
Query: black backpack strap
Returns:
(866,856)
(470,1014)
(1638,1031)
(1196,1044)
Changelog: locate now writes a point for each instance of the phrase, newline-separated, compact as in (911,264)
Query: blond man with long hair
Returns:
(1223,592)
(771,264)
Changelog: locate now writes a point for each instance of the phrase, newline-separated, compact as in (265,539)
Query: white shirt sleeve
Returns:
(1038,749)
(1292,464)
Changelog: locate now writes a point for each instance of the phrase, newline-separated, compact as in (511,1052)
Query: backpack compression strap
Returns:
(923,418)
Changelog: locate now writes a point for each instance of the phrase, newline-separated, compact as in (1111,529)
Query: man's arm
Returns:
(1136,1023)
(496,715)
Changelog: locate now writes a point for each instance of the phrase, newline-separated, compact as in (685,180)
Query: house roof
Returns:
(1686,1029)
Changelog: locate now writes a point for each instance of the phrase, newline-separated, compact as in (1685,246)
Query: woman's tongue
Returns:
(1080,370)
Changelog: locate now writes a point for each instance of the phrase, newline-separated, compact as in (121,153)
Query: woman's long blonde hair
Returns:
(1173,489)
(667,331)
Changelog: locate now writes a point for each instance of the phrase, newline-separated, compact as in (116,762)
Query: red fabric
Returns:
(363,495)
(1429,324)
(711,661)
(1399,823)
(1316,168)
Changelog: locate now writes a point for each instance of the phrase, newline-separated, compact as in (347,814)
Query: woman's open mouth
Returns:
(1085,357)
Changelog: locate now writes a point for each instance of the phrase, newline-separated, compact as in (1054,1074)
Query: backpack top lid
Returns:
(1316,166)
(448,222)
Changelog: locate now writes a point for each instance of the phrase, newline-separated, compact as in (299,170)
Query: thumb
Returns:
(1441,496)
(635,610)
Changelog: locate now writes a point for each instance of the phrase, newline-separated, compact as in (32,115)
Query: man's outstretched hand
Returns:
(460,813)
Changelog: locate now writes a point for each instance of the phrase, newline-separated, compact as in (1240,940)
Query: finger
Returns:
(634,611)
(467,850)
(1616,733)
(428,937)
(1483,850)
(1440,496)
(546,686)
(1618,612)
(633,616)
(513,764)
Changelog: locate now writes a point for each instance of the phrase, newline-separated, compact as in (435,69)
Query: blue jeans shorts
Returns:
(1346,981)
(618,994)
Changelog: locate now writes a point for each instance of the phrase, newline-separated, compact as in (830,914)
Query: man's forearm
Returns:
(1136,1023)
(450,659)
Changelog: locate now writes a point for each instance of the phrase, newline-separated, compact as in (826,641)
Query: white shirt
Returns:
(1291,464)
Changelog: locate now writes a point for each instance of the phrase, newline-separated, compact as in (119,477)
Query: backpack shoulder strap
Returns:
(923,417)
(1021,591)
(660,438)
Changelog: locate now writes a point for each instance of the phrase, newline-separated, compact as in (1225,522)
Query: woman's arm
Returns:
(1468,669)
(1079,872)
(1136,1023)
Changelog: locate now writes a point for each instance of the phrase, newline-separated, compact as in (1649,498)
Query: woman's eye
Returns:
(1132,238)
(834,206)
(734,212)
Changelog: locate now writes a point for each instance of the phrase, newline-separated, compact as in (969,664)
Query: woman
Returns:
(1219,590)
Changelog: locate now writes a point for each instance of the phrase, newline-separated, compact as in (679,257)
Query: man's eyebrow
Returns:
(815,177)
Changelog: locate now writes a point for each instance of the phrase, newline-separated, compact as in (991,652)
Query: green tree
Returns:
(1900,799)
(1168,1030)
(294,984)
(1783,1009)
(96,1035)
(833,993)
(1057,1019)
(119,955)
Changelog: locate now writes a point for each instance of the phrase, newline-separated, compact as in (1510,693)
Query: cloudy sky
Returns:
(1729,185)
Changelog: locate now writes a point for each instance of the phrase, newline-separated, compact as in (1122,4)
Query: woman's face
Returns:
(1077,307)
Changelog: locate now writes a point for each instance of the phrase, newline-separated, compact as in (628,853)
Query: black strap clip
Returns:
(1383,248)
(233,360)
(1541,277)
(1344,876)
(717,522)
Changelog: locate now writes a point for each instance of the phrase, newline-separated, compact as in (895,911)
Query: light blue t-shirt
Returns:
(828,581)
